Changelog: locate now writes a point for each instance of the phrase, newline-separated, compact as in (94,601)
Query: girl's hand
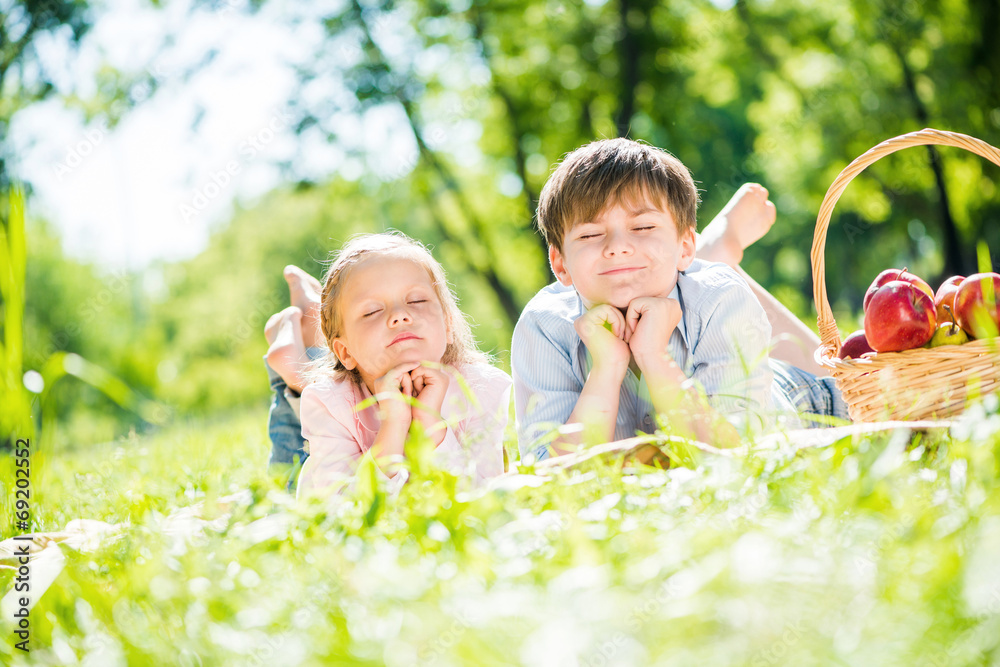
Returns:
(429,388)
(389,391)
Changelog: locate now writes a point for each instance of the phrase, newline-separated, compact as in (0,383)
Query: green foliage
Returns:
(870,551)
(73,307)
(213,317)
(18,386)
(493,94)
(15,419)
(22,26)
(784,93)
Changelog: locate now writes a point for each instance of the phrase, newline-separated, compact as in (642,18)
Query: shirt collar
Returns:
(675,293)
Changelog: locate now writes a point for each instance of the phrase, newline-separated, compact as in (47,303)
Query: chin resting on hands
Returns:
(390,390)
(649,322)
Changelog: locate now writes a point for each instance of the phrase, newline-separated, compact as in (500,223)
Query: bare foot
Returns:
(287,354)
(744,220)
(305,292)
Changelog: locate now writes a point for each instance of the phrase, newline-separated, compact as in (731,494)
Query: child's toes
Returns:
(272,326)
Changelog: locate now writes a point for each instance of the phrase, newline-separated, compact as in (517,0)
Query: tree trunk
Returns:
(629,54)
(504,295)
(516,125)
(953,261)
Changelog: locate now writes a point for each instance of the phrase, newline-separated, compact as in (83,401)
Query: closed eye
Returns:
(369,314)
(419,301)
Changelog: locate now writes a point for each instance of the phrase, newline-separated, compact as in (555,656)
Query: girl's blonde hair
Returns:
(462,349)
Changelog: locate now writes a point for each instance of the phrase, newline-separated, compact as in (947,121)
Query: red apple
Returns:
(895,274)
(945,296)
(976,304)
(855,345)
(900,316)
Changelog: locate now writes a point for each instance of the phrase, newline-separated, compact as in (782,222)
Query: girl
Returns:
(393,331)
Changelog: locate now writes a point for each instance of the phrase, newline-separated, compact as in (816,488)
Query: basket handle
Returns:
(827,325)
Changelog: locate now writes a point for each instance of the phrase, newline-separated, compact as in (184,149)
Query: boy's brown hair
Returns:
(614,171)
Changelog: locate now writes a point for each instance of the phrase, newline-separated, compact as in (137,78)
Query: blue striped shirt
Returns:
(721,343)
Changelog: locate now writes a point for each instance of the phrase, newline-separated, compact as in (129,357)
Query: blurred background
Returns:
(177,155)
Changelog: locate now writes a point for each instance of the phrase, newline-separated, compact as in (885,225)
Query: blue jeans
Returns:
(288,451)
(810,394)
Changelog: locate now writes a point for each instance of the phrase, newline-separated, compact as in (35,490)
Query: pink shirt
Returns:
(339,435)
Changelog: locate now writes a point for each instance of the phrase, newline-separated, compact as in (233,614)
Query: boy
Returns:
(637,326)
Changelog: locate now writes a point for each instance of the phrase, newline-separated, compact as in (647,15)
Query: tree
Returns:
(23,78)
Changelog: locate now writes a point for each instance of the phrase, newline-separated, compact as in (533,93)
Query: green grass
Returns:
(873,551)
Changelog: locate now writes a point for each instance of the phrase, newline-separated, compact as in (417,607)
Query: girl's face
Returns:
(391,315)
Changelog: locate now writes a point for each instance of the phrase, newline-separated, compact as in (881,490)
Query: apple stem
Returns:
(900,273)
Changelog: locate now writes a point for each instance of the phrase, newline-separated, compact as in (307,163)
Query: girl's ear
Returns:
(340,349)
(686,250)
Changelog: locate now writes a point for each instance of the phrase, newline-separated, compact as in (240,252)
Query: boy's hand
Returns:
(429,388)
(649,323)
(602,330)
(607,347)
(389,391)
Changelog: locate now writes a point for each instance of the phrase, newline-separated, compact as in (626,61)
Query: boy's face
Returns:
(627,251)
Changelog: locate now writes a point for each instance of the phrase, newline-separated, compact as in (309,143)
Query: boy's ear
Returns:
(559,266)
(340,349)
(687,249)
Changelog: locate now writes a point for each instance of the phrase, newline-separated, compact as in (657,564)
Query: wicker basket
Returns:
(913,384)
